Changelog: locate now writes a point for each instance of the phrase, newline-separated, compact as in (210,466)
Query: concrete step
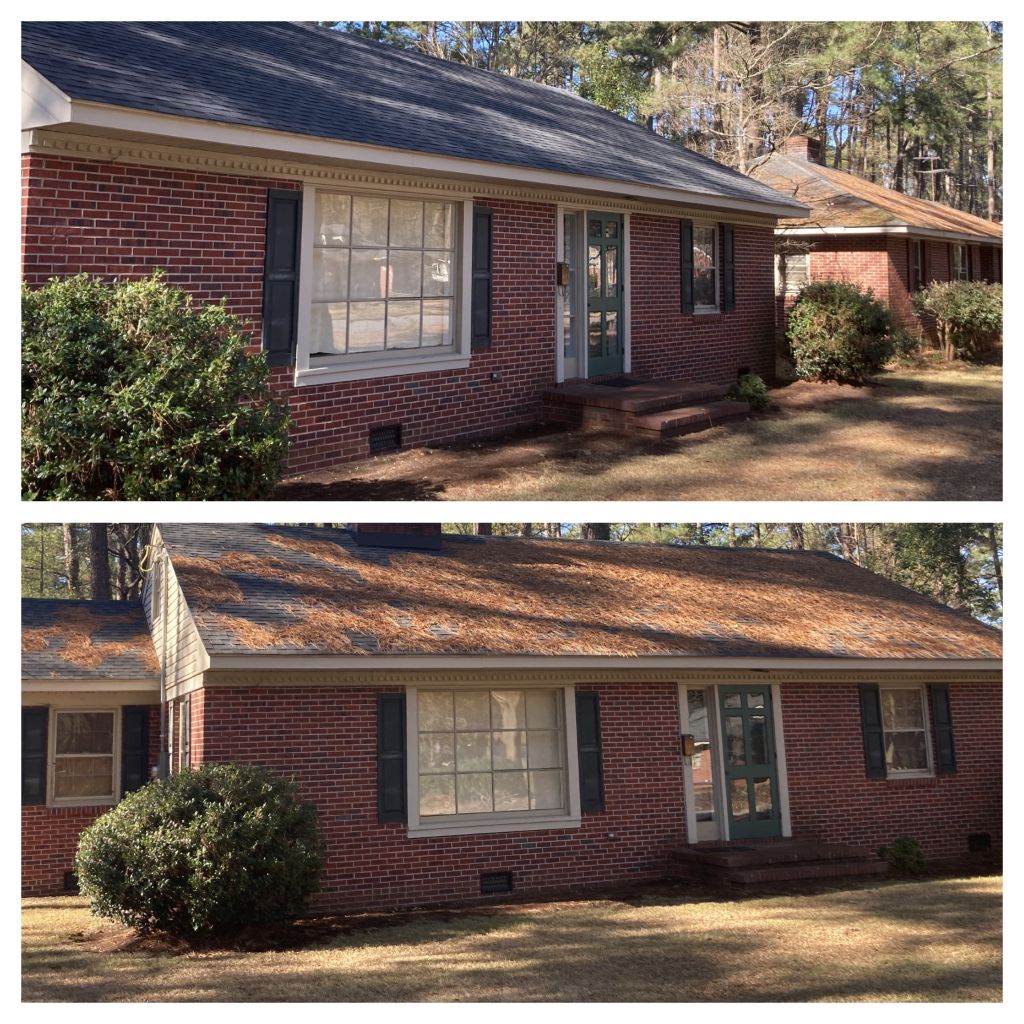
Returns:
(687,419)
(639,397)
(764,854)
(813,869)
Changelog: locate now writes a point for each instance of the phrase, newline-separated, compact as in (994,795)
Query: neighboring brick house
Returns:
(411,239)
(861,233)
(472,712)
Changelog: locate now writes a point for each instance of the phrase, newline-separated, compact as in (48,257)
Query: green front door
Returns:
(604,294)
(748,752)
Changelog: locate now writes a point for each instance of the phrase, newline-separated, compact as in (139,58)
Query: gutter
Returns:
(899,230)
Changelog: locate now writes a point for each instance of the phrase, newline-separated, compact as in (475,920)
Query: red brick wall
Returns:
(831,800)
(49,835)
(709,348)
(861,260)
(326,740)
(899,282)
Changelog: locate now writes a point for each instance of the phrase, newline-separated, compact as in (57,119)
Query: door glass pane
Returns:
(739,804)
(474,793)
(330,275)
(611,272)
(406,223)
(329,321)
(611,229)
(369,221)
(731,700)
(366,326)
(511,791)
(611,332)
(758,740)
(763,798)
(594,271)
(755,700)
(369,273)
(437,322)
(594,344)
(437,794)
(736,752)
(594,228)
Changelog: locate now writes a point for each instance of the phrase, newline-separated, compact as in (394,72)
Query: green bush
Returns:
(203,851)
(838,333)
(968,315)
(904,346)
(904,855)
(131,392)
(751,389)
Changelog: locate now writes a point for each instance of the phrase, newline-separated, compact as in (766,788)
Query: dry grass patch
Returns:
(938,940)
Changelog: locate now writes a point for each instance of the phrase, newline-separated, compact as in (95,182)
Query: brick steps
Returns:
(688,419)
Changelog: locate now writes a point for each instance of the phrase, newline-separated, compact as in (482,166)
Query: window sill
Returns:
(379,368)
(492,825)
(909,776)
(93,801)
(706,310)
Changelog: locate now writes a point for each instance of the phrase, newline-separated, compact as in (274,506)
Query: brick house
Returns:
(861,233)
(423,249)
(470,713)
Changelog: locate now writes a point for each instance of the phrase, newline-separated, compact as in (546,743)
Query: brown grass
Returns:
(77,627)
(933,941)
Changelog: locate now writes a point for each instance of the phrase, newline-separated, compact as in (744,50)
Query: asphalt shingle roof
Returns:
(85,640)
(840,199)
(260,588)
(307,80)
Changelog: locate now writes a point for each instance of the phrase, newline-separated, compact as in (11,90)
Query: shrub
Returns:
(751,389)
(838,333)
(968,315)
(203,851)
(131,392)
(904,345)
(904,855)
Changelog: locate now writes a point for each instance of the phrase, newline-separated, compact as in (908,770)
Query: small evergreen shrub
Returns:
(904,346)
(968,315)
(131,392)
(904,855)
(751,389)
(203,851)
(838,333)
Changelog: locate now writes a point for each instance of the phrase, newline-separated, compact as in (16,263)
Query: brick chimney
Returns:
(803,147)
(421,536)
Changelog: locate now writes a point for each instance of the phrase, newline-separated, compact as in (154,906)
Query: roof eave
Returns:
(823,231)
(31,684)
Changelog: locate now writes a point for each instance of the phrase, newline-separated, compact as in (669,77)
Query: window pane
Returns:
(508,709)
(85,732)
(509,750)
(703,287)
(437,323)
(437,752)
(436,712)
(906,751)
(437,273)
(328,327)
(366,326)
(406,224)
(404,324)
(901,709)
(545,749)
(438,233)
(330,274)
(332,218)
(703,801)
(369,221)
(473,752)
(83,776)
(474,793)
(369,273)
(472,711)
(546,790)
(437,794)
(404,275)
(542,709)
(697,713)
(511,791)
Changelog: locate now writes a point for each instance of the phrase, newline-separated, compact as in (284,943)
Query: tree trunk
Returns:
(997,567)
(796,536)
(71,561)
(595,531)
(99,562)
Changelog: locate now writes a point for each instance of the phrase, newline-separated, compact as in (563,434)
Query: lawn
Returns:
(928,433)
(922,941)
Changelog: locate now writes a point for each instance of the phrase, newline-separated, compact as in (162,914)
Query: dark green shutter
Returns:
(728,269)
(281,275)
(391,757)
(186,738)
(945,752)
(871,725)
(34,726)
(483,258)
(134,748)
(588,740)
(686,266)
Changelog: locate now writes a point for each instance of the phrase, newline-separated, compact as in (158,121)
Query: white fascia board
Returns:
(392,662)
(90,685)
(902,229)
(243,137)
(42,103)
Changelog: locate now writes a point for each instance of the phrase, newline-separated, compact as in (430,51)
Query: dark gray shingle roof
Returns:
(311,81)
(85,640)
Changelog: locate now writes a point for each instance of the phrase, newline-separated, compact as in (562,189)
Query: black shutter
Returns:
(390,757)
(588,740)
(134,748)
(34,725)
(871,724)
(281,275)
(186,732)
(945,752)
(483,251)
(686,266)
(924,264)
(728,269)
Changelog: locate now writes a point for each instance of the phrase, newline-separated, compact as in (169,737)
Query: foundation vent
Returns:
(71,882)
(979,842)
(385,439)
(495,882)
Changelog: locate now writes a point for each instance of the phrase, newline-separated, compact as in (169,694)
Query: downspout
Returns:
(163,763)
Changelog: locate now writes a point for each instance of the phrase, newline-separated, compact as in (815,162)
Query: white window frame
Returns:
(508,821)
(384,364)
(960,271)
(184,705)
(52,799)
(716,234)
(909,773)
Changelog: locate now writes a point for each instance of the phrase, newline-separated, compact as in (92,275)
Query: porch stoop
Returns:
(783,861)
(642,408)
